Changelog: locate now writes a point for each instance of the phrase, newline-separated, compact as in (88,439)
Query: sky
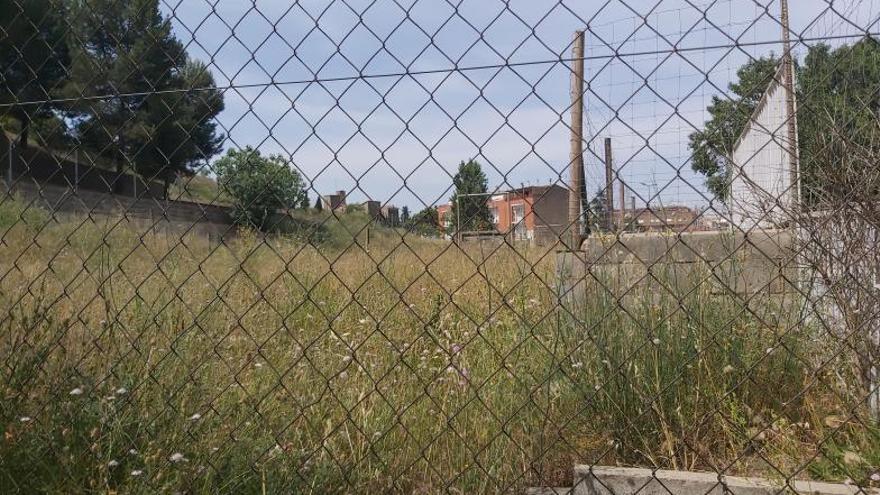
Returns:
(384,98)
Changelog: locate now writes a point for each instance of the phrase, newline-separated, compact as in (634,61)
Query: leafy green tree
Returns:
(425,222)
(838,108)
(319,204)
(837,103)
(469,201)
(154,122)
(259,186)
(712,147)
(404,215)
(33,60)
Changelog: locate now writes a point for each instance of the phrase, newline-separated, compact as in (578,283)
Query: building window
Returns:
(495,218)
(517,215)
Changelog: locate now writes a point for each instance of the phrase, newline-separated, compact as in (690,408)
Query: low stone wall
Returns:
(144,214)
(720,262)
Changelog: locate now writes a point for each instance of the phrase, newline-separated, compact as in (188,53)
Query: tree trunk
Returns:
(120,166)
(24,136)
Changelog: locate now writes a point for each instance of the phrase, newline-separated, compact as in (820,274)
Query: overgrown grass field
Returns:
(143,363)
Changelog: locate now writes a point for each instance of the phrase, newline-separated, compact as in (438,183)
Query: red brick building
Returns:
(538,214)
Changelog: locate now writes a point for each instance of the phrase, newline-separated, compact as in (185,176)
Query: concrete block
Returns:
(630,481)
(761,262)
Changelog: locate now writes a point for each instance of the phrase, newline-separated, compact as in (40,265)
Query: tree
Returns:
(404,215)
(425,222)
(319,204)
(33,60)
(184,129)
(259,186)
(597,212)
(838,105)
(469,201)
(154,121)
(837,108)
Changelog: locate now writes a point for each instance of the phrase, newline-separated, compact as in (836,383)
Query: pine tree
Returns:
(153,122)
(33,60)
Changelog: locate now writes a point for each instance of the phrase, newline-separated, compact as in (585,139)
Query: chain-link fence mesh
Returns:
(439,246)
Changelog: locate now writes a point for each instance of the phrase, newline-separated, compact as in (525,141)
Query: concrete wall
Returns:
(550,210)
(720,262)
(631,481)
(143,213)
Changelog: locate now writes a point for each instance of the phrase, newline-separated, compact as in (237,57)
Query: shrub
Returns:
(260,186)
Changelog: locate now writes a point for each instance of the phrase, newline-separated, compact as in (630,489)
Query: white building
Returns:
(762,184)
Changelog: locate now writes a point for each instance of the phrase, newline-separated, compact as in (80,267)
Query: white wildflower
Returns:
(728,369)
(177,457)
(656,341)
(76,391)
(132,452)
(137,472)
(362,321)
(121,391)
(577,365)
(195,417)
(875,477)
(113,463)
(258,365)
(25,419)
(769,350)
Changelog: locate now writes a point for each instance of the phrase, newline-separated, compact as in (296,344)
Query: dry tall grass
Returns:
(147,363)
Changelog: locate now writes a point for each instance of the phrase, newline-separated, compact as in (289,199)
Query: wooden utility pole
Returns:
(622,200)
(576,154)
(585,201)
(791,109)
(609,187)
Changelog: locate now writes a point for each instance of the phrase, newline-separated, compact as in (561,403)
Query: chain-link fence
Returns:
(439,246)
